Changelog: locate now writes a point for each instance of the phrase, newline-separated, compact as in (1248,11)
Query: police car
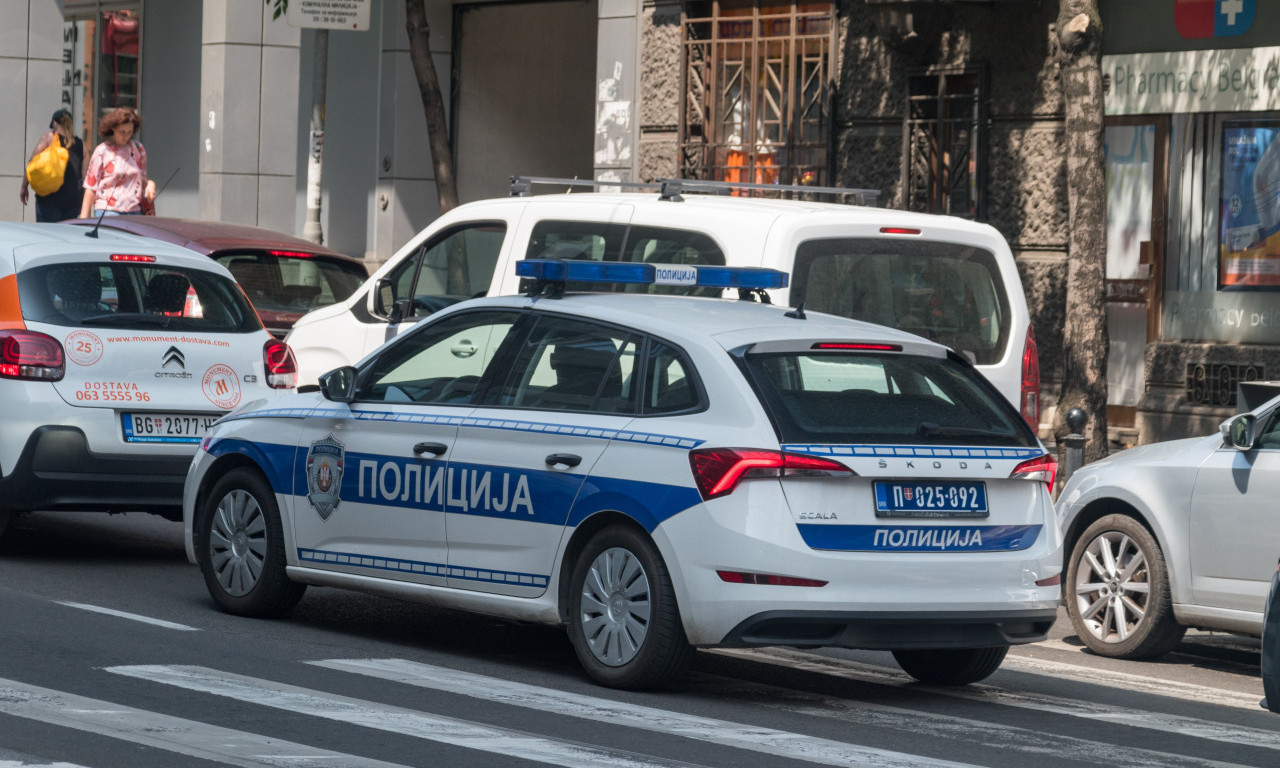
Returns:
(116,354)
(656,473)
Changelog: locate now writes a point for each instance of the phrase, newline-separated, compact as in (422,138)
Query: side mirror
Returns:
(384,299)
(339,385)
(1241,431)
(400,310)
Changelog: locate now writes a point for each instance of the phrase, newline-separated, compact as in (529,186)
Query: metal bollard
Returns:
(1073,457)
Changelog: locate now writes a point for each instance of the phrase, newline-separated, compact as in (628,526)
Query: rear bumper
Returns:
(57,471)
(886,631)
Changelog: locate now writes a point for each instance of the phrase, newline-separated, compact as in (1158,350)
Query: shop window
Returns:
(757,91)
(947,151)
(101,60)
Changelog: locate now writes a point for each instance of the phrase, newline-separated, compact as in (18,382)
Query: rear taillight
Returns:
(281,367)
(1031,381)
(1042,468)
(717,471)
(31,356)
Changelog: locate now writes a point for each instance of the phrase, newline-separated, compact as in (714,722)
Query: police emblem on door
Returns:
(324,475)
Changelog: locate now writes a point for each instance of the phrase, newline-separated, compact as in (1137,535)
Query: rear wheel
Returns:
(624,623)
(951,666)
(1117,591)
(240,547)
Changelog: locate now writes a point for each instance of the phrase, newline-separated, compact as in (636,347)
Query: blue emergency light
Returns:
(636,273)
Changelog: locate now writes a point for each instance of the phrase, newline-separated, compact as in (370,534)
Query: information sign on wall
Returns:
(1249,237)
(329,14)
(1172,82)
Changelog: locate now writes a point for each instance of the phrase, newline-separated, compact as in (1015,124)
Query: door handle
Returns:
(463,349)
(435,449)
(567,459)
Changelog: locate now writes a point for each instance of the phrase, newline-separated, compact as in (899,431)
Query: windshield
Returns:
(839,397)
(946,292)
(134,295)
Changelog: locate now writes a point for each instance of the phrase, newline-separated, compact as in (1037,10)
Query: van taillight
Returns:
(1031,381)
(31,356)
(280,364)
(717,471)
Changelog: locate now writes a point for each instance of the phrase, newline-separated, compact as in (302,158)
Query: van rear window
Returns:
(946,292)
(844,397)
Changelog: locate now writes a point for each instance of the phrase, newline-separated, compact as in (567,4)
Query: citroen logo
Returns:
(173,355)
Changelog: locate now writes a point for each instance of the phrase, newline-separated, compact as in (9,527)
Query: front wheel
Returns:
(624,623)
(1117,591)
(959,666)
(240,547)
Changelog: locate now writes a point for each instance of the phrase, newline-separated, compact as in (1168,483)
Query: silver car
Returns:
(1174,535)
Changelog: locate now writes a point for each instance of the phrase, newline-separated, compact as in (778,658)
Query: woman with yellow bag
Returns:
(63,201)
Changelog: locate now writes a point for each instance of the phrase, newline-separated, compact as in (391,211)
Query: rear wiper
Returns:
(128,318)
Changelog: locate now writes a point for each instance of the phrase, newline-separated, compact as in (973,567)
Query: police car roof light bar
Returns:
(554,271)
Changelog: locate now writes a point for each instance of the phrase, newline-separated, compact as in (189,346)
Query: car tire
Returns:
(959,666)
(624,622)
(1117,571)
(240,547)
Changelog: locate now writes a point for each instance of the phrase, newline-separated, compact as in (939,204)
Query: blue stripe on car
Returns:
(400,565)
(919,538)
(913,451)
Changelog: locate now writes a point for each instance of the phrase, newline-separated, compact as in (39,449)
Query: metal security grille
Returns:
(757,90)
(946,161)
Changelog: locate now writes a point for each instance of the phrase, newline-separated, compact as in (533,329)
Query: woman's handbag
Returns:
(46,170)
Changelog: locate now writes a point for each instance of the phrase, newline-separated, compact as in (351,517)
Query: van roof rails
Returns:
(522,186)
(672,189)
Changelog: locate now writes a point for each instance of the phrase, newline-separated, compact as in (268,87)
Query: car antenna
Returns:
(94,232)
(797,313)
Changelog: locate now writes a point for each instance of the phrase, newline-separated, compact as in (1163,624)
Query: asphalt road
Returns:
(113,656)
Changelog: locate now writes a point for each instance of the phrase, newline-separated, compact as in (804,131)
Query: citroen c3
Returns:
(116,355)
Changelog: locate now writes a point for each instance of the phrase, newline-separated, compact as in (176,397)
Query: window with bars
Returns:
(757,91)
(946,157)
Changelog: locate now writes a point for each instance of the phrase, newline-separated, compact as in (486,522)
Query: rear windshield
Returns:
(842,397)
(946,292)
(134,296)
(293,283)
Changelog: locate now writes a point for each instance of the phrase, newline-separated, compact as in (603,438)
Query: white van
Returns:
(947,279)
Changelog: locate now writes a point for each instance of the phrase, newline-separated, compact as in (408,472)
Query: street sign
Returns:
(329,14)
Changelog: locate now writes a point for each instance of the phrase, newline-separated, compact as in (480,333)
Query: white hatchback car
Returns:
(116,354)
(1173,535)
(658,473)
(947,279)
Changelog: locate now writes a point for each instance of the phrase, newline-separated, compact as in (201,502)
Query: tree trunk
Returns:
(432,102)
(1085,342)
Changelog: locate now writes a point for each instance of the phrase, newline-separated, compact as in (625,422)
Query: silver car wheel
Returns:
(615,607)
(238,543)
(1112,587)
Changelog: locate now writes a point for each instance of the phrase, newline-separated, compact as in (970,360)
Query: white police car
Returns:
(116,354)
(658,473)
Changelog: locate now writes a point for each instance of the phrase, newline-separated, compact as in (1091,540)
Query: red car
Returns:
(283,276)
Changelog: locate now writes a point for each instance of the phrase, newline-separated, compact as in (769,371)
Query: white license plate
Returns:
(165,427)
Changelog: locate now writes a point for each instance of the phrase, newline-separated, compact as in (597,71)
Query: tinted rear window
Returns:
(293,283)
(135,296)
(946,292)
(838,397)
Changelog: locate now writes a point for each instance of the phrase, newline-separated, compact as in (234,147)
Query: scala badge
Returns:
(324,475)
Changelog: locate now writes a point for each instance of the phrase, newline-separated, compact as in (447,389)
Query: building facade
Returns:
(944,106)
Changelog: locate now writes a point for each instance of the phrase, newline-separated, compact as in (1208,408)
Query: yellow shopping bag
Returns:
(46,169)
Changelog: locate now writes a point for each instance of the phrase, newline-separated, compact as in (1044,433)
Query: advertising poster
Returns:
(1249,237)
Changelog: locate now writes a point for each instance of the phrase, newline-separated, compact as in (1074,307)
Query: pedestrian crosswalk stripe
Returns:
(1124,715)
(130,616)
(172,734)
(769,741)
(405,722)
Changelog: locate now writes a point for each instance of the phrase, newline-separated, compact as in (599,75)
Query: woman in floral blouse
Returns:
(116,180)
